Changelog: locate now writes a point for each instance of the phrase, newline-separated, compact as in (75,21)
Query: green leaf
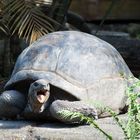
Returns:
(28,20)
(72,115)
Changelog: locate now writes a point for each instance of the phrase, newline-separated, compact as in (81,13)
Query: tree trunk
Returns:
(58,11)
(6,58)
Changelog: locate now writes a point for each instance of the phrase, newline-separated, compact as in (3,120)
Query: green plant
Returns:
(26,19)
(3,25)
(31,19)
(131,127)
(85,119)
(133,124)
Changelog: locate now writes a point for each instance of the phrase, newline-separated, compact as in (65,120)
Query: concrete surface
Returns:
(25,130)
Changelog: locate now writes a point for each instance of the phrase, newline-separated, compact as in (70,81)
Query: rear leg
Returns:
(11,104)
(74,106)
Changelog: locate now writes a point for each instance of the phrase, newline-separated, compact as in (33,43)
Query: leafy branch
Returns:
(133,125)
(28,21)
(25,18)
(88,120)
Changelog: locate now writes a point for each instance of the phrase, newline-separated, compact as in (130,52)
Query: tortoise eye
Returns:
(36,84)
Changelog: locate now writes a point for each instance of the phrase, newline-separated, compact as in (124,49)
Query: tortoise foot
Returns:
(11,104)
(58,106)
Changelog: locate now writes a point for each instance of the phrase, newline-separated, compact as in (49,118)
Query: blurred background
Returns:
(95,9)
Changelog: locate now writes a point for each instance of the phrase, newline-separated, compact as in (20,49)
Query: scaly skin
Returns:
(39,93)
(73,106)
(12,103)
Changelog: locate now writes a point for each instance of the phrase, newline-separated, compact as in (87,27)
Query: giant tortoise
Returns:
(66,70)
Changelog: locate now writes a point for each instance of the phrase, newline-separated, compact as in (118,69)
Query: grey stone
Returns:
(25,130)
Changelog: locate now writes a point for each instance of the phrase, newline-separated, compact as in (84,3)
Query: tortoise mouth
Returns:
(42,92)
(42,96)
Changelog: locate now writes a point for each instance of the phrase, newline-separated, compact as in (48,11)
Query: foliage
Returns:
(131,128)
(3,26)
(25,18)
(133,125)
(83,118)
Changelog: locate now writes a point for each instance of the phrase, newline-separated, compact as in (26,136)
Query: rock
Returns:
(25,130)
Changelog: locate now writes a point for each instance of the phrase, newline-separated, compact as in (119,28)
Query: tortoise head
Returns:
(38,95)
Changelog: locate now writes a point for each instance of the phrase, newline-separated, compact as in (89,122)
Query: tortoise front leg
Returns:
(72,106)
(12,103)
